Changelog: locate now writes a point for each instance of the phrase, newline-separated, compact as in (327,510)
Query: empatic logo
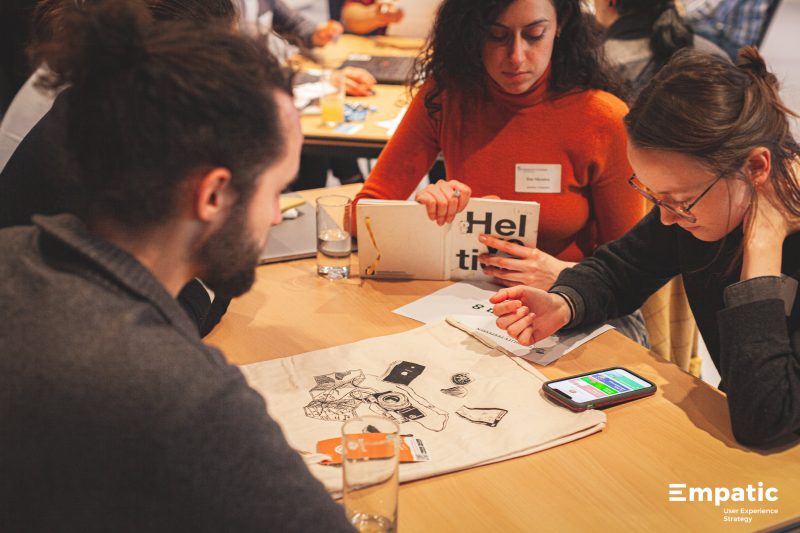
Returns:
(679,492)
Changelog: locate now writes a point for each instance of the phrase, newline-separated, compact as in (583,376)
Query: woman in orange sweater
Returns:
(514,89)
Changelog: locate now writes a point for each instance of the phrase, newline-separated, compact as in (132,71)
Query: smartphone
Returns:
(598,389)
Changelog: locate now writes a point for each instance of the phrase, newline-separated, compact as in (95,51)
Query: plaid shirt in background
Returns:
(729,23)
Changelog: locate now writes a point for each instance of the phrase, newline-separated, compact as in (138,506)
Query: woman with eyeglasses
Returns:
(711,145)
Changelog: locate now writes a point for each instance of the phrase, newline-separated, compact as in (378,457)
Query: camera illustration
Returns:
(403,405)
(339,396)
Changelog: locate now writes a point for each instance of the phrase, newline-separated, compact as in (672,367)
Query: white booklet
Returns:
(396,239)
(466,306)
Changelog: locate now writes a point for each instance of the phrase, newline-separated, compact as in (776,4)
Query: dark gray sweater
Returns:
(114,416)
(751,328)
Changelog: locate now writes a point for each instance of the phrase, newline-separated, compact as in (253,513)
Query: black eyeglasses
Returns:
(682,209)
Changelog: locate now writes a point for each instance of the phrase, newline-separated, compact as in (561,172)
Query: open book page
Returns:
(510,220)
(396,240)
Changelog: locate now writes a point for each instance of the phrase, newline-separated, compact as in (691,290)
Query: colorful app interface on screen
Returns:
(600,385)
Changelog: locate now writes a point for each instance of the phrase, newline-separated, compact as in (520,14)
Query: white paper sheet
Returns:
(457,299)
(467,305)
(542,353)
(306,92)
(391,124)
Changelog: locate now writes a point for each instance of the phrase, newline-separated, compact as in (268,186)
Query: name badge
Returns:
(538,178)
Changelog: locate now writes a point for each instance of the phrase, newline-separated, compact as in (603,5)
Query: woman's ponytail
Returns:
(763,103)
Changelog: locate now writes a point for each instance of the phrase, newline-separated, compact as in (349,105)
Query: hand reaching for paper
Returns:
(532,267)
(529,314)
(444,200)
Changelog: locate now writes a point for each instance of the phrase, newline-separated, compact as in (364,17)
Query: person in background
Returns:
(641,36)
(730,24)
(370,17)
(260,17)
(508,83)
(263,17)
(711,146)
(115,415)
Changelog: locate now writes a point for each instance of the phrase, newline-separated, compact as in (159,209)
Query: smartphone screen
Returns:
(601,387)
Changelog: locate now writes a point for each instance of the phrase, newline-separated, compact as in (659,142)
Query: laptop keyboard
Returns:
(388,70)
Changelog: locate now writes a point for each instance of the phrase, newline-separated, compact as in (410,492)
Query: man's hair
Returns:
(152,103)
(222,12)
(47,16)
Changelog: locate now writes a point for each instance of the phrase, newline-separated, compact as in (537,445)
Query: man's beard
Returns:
(229,257)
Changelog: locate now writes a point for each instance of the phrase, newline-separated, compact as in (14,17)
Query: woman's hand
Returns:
(529,314)
(326,32)
(358,81)
(766,226)
(362,19)
(387,12)
(533,266)
(444,199)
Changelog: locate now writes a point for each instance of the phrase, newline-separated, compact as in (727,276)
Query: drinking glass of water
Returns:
(334,242)
(371,451)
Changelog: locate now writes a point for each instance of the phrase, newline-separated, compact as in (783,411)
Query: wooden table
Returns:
(318,139)
(613,481)
(334,53)
(389,100)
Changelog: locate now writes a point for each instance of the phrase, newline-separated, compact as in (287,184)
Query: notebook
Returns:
(293,238)
(389,70)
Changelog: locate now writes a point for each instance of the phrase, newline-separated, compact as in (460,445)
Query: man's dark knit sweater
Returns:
(751,328)
(114,416)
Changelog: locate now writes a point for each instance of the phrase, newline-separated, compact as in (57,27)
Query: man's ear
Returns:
(213,195)
(759,165)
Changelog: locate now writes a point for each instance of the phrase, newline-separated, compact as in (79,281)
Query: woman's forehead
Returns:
(524,12)
(665,171)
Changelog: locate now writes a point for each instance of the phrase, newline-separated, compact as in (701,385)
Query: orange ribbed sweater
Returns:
(582,131)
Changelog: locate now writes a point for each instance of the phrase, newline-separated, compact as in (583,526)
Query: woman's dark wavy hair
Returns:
(454,51)
(669,31)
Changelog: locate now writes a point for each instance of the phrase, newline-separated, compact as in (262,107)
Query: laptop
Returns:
(294,238)
(389,70)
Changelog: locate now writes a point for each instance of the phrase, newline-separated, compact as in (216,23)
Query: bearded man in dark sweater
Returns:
(114,416)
